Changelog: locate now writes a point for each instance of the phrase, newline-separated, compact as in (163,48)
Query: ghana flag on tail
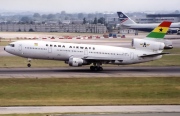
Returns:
(160,31)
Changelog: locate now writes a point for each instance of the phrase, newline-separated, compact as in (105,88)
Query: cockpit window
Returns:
(12,45)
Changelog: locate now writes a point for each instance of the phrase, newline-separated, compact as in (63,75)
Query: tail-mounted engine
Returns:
(147,45)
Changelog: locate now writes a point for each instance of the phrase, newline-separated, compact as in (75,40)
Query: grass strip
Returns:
(25,115)
(89,91)
(4,43)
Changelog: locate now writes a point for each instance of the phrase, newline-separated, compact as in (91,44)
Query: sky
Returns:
(89,6)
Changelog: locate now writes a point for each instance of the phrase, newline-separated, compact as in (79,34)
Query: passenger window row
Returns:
(70,50)
(35,48)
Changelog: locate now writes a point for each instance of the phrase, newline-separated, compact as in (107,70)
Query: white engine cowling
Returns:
(75,62)
(144,44)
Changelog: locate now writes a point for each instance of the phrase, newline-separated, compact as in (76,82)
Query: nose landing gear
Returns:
(28,65)
(29,62)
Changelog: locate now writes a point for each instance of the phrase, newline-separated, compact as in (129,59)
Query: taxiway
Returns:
(94,109)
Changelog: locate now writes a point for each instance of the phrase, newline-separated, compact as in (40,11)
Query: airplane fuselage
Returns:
(149,27)
(92,53)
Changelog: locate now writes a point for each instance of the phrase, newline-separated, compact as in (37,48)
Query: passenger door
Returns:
(86,51)
(50,52)
(132,55)
(20,47)
(50,49)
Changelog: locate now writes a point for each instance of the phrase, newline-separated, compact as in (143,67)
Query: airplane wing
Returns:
(107,59)
(152,55)
(100,58)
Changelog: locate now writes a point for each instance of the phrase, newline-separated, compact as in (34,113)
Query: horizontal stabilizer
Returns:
(153,55)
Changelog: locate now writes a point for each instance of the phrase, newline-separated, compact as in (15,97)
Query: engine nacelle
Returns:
(76,62)
(144,44)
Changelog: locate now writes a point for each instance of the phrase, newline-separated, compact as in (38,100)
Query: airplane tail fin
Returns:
(124,19)
(160,31)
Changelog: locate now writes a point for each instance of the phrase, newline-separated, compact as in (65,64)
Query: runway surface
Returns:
(93,109)
(68,72)
(124,114)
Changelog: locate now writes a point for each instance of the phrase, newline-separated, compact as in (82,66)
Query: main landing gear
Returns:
(29,62)
(96,67)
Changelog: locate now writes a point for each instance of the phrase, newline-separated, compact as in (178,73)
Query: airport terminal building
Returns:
(72,28)
(158,18)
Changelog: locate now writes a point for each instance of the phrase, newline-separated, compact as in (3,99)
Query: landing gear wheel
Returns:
(92,68)
(29,62)
(100,69)
(96,68)
(28,65)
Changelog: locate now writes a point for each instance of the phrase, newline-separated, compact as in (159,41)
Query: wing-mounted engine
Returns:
(144,44)
(76,62)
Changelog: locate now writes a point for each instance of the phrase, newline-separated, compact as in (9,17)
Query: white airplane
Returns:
(85,54)
(127,22)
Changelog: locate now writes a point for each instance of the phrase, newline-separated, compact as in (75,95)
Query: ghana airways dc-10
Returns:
(144,50)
